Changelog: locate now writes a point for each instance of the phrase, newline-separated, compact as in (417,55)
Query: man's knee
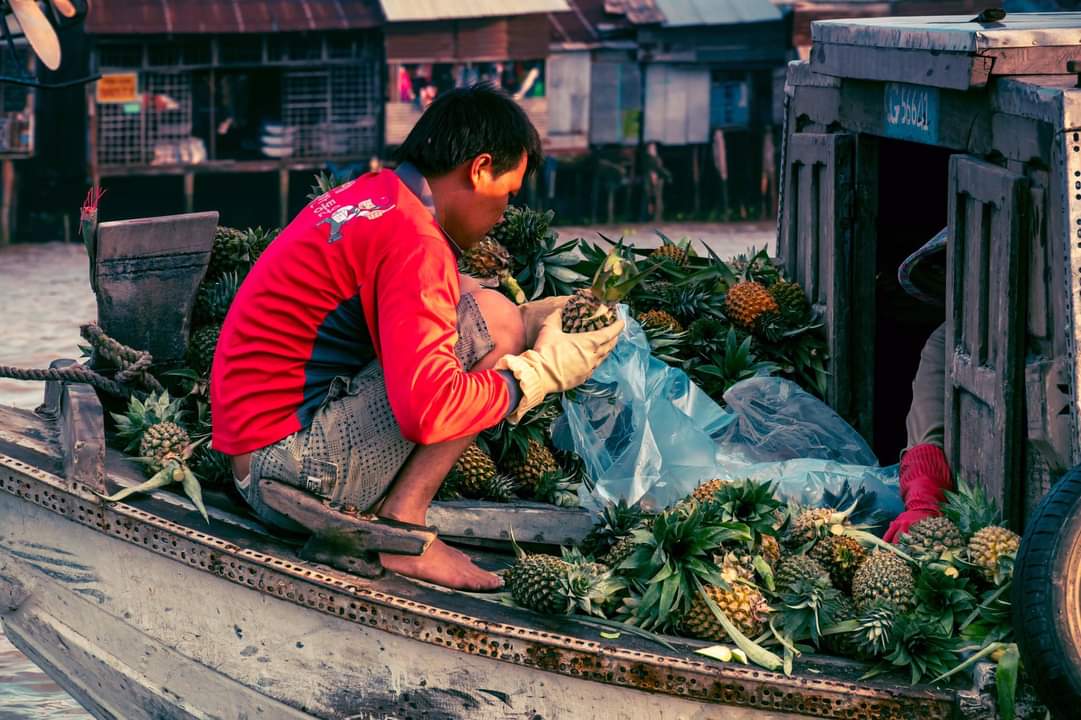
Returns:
(504,321)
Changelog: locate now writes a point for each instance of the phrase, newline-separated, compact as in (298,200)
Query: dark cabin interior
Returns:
(913,181)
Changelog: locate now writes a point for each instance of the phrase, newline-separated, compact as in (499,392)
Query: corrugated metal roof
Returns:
(681,13)
(642,12)
(419,10)
(125,17)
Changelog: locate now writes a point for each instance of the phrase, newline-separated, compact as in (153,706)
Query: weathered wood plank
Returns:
(147,272)
(81,423)
(1035,60)
(819,104)
(984,328)
(864,263)
(29,438)
(952,71)
(1022,139)
(530,522)
(362,531)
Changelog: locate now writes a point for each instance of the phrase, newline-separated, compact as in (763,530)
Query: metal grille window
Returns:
(309,97)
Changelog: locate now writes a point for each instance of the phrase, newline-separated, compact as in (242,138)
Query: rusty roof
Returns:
(126,17)
(421,10)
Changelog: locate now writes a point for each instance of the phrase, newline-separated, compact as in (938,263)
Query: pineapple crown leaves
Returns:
(327,181)
(750,502)
(664,343)
(140,415)
(671,556)
(943,596)
(173,471)
(737,362)
(618,274)
(925,649)
(754,652)
(805,607)
(617,521)
(970,508)
(991,620)
(873,635)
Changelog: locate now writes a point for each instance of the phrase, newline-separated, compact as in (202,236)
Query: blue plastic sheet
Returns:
(648,434)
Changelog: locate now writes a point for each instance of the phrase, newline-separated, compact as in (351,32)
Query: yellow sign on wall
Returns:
(118,88)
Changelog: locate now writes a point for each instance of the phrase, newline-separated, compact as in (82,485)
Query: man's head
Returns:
(475,146)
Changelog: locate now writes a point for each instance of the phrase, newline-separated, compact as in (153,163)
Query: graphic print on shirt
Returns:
(340,216)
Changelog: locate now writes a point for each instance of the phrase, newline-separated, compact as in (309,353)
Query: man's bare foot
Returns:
(443,565)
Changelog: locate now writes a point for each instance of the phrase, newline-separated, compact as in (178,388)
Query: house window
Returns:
(729,103)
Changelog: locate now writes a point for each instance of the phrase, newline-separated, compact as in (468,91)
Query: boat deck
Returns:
(237,548)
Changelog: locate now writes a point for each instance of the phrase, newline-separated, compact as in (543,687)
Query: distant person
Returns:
(357,365)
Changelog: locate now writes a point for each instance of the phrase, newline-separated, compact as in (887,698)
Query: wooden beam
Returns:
(530,522)
(7,202)
(1032,60)
(81,424)
(953,71)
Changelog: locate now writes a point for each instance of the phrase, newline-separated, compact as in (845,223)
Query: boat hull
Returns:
(133,634)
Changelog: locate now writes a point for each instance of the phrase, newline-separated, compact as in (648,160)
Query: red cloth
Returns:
(363,272)
(925,478)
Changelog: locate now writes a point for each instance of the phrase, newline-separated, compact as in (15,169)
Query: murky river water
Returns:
(45,296)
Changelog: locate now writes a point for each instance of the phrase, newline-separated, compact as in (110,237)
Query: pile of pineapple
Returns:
(731,564)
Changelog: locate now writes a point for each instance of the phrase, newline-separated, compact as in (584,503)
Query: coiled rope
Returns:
(132,367)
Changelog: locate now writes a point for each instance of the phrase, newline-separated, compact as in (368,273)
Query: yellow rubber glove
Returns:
(536,312)
(559,361)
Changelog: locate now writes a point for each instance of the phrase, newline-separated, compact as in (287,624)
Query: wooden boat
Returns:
(141,609)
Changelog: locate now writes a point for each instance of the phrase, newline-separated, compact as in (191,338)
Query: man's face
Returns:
(471,214)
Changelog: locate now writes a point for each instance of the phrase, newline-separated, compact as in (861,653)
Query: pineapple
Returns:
(140,415)
(212,466)
(665,343)
(746,301)
(237,250)
(522,231)
(659,319)
(791,302)
(810,525)
(214,298)
(992,550)
(593,308)
(542,264)
(970,509)
(770,326)
(933,538)
(770,549)
(873,637)
(749,502)
(884,578)
(841,556)
(163,443)
(499,488)
(535,582)
(557,488)
(534,465)
(201,347)
(706,491)
(687,302)
(676,253)
(756,266)
(795,569)
(744,605)
(557,586)
(473,473)
(489,259)
(619,552)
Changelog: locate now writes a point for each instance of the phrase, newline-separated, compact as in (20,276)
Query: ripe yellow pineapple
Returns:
(988,546)
(163,443)
(746,301)
(659,319)
(489,259)
(537,463)
(672,252)
(743,603)
(472,473)
(707,490)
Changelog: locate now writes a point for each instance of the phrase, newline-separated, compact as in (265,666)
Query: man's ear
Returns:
(480,170)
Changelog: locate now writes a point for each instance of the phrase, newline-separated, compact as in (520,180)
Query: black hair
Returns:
(465,122)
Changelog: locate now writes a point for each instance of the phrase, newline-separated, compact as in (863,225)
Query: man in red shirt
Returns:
(356,364)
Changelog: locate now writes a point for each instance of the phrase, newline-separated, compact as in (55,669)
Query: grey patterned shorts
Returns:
(353,449)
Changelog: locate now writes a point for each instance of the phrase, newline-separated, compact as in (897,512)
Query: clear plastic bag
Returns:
(647,433)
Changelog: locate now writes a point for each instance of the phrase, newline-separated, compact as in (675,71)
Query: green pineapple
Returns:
(741,602)
(795,569)
(619,552)
(541,264)
(593,308)
(884,578)
(499,488)
(791,302)
(688,302)
(162,443)
(811,525)
(616,522)
(214,298)
(140,415)
(212,466)
(553,586)
(523,231)
(472,474)
(237,250)
(933,538)
(874,635)
(201,347)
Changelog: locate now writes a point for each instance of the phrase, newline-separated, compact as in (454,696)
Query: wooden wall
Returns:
(522,37)
(677,107)
(615,99)
(568,88)
(401,117)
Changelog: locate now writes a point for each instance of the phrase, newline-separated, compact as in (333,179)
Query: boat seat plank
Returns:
(31,439)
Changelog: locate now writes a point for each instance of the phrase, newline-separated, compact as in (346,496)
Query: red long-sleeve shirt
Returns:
(363,272)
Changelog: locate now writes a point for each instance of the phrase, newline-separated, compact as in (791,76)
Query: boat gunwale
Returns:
(325,590)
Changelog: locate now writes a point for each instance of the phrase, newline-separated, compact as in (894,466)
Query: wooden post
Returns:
(189,192)
(6,202)
(283,196)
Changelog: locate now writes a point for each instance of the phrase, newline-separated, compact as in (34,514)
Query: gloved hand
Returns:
(535,313)
(558,361)
(925,478)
